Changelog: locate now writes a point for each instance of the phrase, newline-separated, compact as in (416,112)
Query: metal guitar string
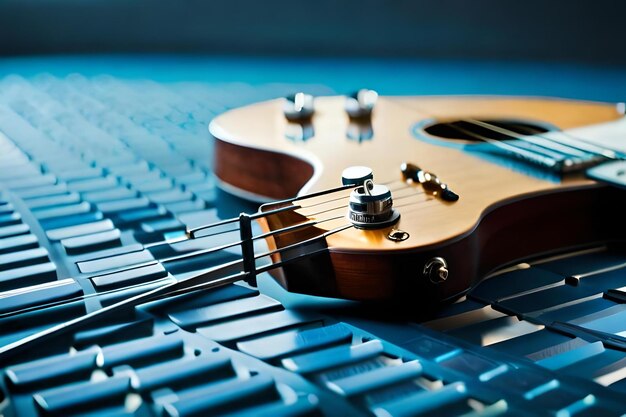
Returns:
(176,287)
(581,145)
(172,259)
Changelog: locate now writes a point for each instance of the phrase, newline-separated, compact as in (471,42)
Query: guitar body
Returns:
(506,214)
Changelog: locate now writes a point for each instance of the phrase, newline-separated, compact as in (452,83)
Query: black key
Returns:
(199,316)
(39,294)
(88,243)
(575,311)
(114,262)
(16,243)
(582,264)
(27,275)
(531,343)
(541,300)
(83,396)
(23,258)
(14,230)
(57,369)
(129,277)
(296,341)
(512,283)
(80,230)
(141,352)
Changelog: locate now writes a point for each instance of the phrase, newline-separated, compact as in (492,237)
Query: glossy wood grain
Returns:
(253,154)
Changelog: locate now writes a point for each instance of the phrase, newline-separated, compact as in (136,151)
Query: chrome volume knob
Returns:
(298,107)
(360,104)
(371,206)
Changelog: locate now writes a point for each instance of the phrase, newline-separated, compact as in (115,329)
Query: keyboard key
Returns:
(60,222)
(27,276)
(23,258)
(43,191)
(141,352)
(80,174)
(222,398)
(129,277)
(39,294)
(425,402)
(333,357)
(114,333)
(88,243)
(61,368)
(572,356)
(14,230)
(69,210)
(195,317)
(162,226)
(296,341)
(83,396)
(114,194)
(378,378)
(241,328)
(10,219)
(473,365)
(305,405)
(112,207)
(17,243)
(53,201)
(512,283)
(79,230)
(115,262)
(31,182)
(520,381)
(184,372)
(95,184)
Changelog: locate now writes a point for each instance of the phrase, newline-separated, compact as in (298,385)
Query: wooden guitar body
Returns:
(505,214)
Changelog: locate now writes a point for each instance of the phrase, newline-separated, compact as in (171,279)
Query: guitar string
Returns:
(197,253)
(173,259)
(193,283)
(584,145)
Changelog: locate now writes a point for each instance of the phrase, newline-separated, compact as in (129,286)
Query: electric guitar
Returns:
(409,200)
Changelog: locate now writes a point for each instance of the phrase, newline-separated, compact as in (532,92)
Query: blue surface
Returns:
(388,76)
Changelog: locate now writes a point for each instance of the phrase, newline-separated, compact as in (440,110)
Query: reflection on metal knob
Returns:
(360,104)
(436,270)
(298,107)
(371,206)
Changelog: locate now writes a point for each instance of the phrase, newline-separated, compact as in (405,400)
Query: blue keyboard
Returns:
(95,170)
